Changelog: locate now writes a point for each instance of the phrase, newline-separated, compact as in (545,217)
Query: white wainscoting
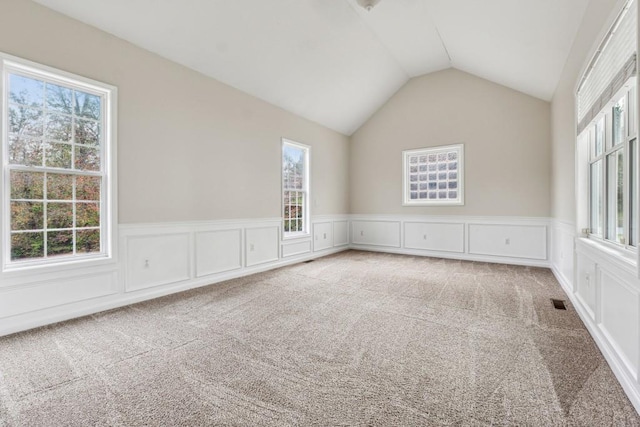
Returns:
(157,260)
(605,292)
(510,240)
(218,251)
(322,236)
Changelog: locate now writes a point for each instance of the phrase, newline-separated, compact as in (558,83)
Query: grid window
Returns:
(295,185)
(433,176)
(54,169)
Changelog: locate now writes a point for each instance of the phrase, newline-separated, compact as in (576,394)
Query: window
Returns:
(613,163)
(433,176)
(295,189)
(57,164)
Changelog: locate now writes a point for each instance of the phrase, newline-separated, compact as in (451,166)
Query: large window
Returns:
(56,142)
(295,188)
(613,161)
(433,176)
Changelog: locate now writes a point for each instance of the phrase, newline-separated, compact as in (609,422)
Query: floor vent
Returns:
(558,304)
(308,261)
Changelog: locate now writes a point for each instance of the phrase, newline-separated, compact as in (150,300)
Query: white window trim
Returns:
(406,201)
(306,232)
(109,208)
(624,250)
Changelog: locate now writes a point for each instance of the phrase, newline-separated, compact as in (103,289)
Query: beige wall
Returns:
(563,136)
(505,132)
(189,147)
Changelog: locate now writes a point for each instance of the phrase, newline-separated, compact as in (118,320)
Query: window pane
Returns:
(57,155)
(87,105)
(293,166)
(59,242)
(618,124)
(59,98)
(26,91)
(633,192)
(27,185)
(25,151)
(615,200)
(87,132)
(27,245)
(596,198)
(25,121)
(59,215)
(598,144)
(87,188)
(59,187)
(26,216)
(87,241)
(87,158)
(87,215)
(58,127)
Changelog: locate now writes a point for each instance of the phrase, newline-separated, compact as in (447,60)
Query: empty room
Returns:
(319,213)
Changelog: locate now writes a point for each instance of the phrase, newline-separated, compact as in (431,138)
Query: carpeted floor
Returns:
(351,339)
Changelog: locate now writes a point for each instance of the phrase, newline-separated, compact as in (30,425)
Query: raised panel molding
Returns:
(619,318)
(340,233)
(294,248)
(157,260)
(218,251)
(376,233)
(261,245)
(514,241)
(434,236)
(47,294)
(322,236)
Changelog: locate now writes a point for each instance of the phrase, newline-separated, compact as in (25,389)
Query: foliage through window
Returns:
(295,188)
(434,176)
(54,168)
(613,163)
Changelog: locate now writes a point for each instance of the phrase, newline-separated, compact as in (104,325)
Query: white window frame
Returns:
(406,187)
(108,197)
(587,138)
(306,230)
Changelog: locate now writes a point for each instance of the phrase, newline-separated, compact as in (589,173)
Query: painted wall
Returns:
(505,132)
(189,147)
(563,134)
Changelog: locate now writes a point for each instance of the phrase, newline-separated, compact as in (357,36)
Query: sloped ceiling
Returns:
(333,62)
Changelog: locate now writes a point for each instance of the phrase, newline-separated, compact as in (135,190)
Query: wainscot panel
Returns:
(376,233)
(157,260)
(322,236)
(340,233)
(218,251)
(41,295)
(515,241)
(434,236)
(262,245)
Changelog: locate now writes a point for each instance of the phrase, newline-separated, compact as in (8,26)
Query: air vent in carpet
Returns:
(308,261)
(558,304)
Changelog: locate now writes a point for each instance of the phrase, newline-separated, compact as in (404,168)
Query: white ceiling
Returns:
(335,63)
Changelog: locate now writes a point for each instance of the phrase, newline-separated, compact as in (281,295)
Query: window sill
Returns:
(624,258)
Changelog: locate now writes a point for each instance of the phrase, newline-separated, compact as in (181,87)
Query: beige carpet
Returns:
(352,339)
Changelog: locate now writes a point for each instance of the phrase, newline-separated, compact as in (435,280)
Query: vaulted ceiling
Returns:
(333,62)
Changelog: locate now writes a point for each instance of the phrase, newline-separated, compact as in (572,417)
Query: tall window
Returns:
(613,164)
(433,176)
(295,188)
(56,166)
